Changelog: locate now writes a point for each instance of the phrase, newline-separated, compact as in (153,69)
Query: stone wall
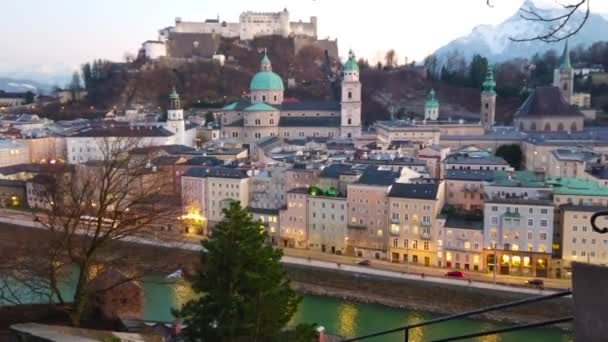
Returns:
(418,295)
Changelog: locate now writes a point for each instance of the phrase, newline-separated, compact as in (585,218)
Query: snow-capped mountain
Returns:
(493,41)
(21,85)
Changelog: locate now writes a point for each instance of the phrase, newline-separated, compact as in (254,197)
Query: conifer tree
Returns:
(244,292)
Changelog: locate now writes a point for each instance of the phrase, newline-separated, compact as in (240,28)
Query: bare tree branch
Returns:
(558,30)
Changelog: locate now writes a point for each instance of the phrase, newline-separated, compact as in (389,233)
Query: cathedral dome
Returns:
(266,80)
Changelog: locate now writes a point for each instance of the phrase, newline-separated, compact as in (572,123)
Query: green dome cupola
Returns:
(489,83)
(431,100)
(351,64)
(265,79)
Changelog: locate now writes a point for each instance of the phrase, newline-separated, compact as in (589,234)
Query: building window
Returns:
(426,245)
(544,211)
(543,223)
(530,222)
(494,208)
(543,236)
(494,220)
(272,121)
(350,95)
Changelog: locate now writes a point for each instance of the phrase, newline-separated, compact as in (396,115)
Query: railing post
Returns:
(406,332)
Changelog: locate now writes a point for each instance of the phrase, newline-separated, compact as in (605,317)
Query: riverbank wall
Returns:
(420,295)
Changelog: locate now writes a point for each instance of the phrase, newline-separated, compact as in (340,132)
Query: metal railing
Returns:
(406,329)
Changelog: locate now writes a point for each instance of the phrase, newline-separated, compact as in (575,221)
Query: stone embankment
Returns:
(420,295)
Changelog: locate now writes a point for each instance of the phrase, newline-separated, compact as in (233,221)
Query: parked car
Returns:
(364,263)
(455,274)
(535,282)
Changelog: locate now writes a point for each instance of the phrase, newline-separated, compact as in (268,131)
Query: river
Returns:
(339,317)
(349,319)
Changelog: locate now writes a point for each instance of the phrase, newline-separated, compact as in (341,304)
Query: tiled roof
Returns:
(600,172)
(198,172)
(475,158)
(419,191)
(260,106)
(124,131)
(527,179)
(547,101)
(204,161)
(237,105)
(12,183)
(35,168)
(335,170)
(471,175)
(311,105)
(303,121)
(225,172)
(576,186)
(378,177)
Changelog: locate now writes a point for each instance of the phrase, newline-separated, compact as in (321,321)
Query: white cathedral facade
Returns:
(266,114)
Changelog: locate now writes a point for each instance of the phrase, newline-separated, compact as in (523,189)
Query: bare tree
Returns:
(120,196)
(558,29)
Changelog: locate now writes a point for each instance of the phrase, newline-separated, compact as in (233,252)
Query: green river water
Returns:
(339,317)
(350,319)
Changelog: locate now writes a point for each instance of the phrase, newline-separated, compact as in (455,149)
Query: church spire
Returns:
(564,61)
(174,102)
(265,64)
(489,83)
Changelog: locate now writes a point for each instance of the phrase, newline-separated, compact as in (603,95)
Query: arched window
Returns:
(573,127)
(533,126)
(560,127)
(350,95)
(547,127)
(521,126)
(264,98)
(275,97)
(350,121)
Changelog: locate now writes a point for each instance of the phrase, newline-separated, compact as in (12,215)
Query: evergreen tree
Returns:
(209,118)
(477,70)
(512,154)
(244,292)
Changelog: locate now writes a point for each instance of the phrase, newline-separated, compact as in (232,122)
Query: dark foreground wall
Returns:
(420,295)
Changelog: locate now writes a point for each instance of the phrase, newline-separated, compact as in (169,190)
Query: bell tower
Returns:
(350,114)
(488,100)
(175,118)
(431,106)
(563,77)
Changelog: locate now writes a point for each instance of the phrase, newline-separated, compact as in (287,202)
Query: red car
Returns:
(456,274)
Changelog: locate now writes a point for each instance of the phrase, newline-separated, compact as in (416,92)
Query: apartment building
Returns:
(464,188)
(327,231)
(368,213)
(460,243)
(413,210)
(294,220)
(580,242)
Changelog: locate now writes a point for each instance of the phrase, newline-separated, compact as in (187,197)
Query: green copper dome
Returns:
(266,79)
(431,100)
(351,64)
(564,61)
(174,94)
(489,84)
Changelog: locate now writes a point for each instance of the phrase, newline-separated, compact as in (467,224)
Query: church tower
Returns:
(563,77)
(431,106)
(175,118)
(350,115)
(488,100)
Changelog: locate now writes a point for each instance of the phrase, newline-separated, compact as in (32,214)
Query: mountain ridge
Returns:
(492,41)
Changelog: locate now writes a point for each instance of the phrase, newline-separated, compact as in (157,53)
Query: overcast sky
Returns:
(50,36)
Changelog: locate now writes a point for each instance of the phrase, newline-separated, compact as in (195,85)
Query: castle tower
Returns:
(175,118)
(563,77)
(488,100)
(350,116)
(266,86)
(431,106)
